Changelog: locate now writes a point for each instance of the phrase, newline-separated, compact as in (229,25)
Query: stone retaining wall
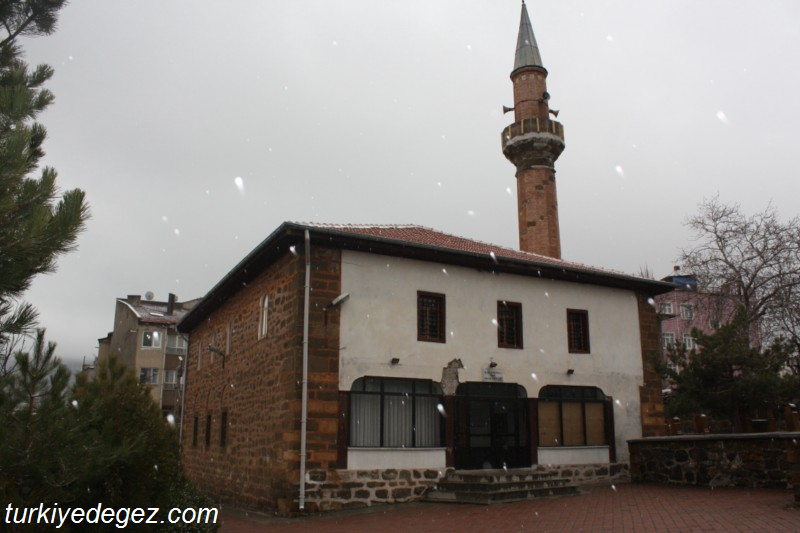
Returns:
(341,489)
(332,490)
(717,460)
(589,473)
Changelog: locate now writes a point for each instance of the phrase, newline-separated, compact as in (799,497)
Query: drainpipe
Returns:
(184,375)
(304,413)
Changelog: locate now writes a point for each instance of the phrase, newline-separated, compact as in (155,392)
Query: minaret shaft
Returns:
(532,144)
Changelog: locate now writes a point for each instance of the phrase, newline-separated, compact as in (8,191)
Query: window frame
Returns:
(263,316)
(688,342)
(170,379)
(439,336)
(380,403)
(585,346)
(513,315)
(665,308)
(574,395)
(155,335)
(687,311)
(668,339)
(149,375)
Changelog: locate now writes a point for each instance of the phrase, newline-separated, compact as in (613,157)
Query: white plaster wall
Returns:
(381,458)
(569,455)
(378,322)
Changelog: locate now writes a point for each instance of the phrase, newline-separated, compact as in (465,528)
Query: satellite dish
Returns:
(148,295)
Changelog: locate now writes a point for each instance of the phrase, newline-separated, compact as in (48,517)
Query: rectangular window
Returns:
(176,344)
(208,431)
(687,311)
(263,317)
(572,416)
(688,342)
(228,338)
(151,339)
(170,379)
(395,413)
(148,376)
(578,331)
(223,429)
(194,432)
(667,339)
(665,308)
(430,317)
(509,324)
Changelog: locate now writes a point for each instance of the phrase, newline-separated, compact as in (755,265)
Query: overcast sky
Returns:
(197,127)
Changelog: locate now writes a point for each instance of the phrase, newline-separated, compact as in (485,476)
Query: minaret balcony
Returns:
(533,142)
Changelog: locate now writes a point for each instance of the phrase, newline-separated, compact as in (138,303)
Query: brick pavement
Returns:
(622,508)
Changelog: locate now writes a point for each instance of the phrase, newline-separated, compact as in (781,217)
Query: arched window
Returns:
(395,413)
(572,416)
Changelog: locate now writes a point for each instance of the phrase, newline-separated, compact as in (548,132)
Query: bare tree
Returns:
(753,260)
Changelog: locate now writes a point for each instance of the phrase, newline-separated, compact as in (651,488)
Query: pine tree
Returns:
(725,376)
(36,226)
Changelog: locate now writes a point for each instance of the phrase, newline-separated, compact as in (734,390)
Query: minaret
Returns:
(533,143)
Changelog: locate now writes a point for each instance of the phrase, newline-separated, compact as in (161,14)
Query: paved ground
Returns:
(621,508)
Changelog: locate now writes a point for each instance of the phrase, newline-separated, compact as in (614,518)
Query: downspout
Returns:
(304,409)
(184,376)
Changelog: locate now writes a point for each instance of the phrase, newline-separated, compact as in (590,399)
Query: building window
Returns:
(667,340)
(170,379)
(688,342)
(263,317)
(430,317)
(148,376)
(194,432)
(228,339)
(509,324)
(665,308)
(151,339)
(395,413)
(176,344)
(208,431)
(572,416)
(687,311)
(578,331)
(223,429)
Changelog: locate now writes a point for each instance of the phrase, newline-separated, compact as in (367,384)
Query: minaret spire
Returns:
(533,143)
(527,49)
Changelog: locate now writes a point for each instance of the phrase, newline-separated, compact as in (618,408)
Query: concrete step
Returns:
(498,486)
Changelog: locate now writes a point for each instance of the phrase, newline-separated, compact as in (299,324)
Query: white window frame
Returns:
(170,379)
(687,311)
(665,308)
(688,342)
(176,343)
(149,376)
(155,342)
(263,319)
(667,339)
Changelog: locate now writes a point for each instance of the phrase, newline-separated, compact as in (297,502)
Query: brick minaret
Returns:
(533,143)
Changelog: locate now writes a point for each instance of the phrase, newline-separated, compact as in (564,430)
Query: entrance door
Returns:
(491,426)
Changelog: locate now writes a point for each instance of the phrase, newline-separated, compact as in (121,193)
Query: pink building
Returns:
(687,308)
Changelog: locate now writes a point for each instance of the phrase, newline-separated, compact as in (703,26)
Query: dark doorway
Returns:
(491,426)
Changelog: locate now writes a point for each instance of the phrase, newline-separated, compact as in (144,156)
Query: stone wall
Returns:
(332,490)
(588,474)
(241,437)
(717,460)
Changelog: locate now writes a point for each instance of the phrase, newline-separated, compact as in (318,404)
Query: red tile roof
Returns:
(423,236)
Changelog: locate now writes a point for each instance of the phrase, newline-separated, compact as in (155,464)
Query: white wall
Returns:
(378,322)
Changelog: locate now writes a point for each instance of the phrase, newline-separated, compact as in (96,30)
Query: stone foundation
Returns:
(333,490)
(734,460)
(342,489)
(588,474)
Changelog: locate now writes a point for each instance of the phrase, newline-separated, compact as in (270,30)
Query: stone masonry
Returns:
(234,377)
